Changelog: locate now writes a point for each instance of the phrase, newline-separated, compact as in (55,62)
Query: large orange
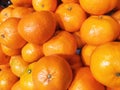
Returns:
(70,16)
(18,65)
(98,7)
(105,62)
(97,30)
(9,35)
(26,3)
(63,43)
(31,52)
(37,27)
(7,78)
(84,80)
(49,5)
(52,73)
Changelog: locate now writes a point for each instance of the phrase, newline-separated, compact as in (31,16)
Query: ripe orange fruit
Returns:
(9,35)
(26,3)
(20,12)
(63,43)
(7,78)
(6,13)
(70,1)
(26,81)
(9,51)
(49,5)
(31,52)
(97,30)
(108,88)
(37,27)
(98,7)
(105,61)
(18,65)
(84,80)
(70,16)
(16,86)
(86,53)
(4,59)
(80,42)
(52,73)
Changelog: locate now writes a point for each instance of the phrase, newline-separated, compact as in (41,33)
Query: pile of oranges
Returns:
(60,45)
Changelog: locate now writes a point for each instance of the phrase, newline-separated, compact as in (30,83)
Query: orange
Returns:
(26,81)
(37,27)
(26,3)
(4,59)
(97,30)
(16,86)
(9,35)
(31,52)
(9,51)
(63,43)
(69,1)
(98,7)
(108,88)
(7,78)
(20,12)
(49,5)
(6,13)
(84,80)
(80,42)
(86,53)
(105,61)
(70,16)
(18,65)
(52,73)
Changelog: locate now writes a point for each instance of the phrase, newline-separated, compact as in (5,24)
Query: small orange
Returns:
(49,5)
(16,86)
(86,53)
(52,73)
(9,35)
(6,13)
(97,30)
(70,16)
(19,12)
(31,52)
(26,81)
(84,80)
(9,51)
(37,27)
(26,3)
(105,62)
(7,78)
(18,65)
(98,7)
(63,43)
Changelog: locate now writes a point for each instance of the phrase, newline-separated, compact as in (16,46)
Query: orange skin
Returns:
(32,28)
(86,53)
(18,65)
(20,12)
(97,30)
(16,86)
(31,52)
(108,88)
(24,3)
(85,81)
(26,81)
(63,43)
(70,1)
(49,5)
(9,34)
(70,16)
(98,7)
(7,78)
(9,51)
(49,71)
(105,61)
